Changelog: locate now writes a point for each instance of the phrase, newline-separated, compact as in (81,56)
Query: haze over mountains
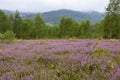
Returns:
(53,17)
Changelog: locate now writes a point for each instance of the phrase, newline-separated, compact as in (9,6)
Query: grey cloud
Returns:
(47,5)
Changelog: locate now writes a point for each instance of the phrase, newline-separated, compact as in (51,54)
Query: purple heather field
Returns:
(65,59)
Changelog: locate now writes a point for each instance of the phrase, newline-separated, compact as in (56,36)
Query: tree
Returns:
(112,20)
(39,27)
(85,29)
(26,29)
(97,30)
(11,22)
(52,31)
(66,27)
(17,24)
(76,31)
(62,23)
(3,22)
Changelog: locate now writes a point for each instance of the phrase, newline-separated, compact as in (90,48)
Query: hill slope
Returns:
(54,17)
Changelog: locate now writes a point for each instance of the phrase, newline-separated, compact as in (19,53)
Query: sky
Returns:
(48,5)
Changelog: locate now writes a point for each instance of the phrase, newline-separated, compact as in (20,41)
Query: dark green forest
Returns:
(37,28)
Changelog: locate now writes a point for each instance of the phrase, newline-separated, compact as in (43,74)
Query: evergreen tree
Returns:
(112,20)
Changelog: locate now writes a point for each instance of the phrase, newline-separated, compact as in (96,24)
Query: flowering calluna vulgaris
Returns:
(72,59)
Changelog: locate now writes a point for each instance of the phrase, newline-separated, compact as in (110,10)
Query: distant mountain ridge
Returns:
(53,17)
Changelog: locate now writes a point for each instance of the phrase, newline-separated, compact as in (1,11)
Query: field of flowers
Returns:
(73,59)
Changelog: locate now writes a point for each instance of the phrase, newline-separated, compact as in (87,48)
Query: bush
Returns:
(1,36)
(8,36)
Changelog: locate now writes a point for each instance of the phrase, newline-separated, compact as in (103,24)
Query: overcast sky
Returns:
(48,5)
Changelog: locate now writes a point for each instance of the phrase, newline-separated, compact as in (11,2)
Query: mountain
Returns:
(22,14)
(54,17)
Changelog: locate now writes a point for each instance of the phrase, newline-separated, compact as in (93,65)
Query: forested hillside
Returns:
(53,17)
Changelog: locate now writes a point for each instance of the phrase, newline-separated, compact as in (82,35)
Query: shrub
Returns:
(1,36)
(9,36)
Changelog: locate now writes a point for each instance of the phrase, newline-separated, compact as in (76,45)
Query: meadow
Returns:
(65,59)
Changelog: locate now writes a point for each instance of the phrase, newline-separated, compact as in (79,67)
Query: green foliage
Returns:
(39,27)
(17,24)
(9,36)
(1,36)
(8,59)
(67,28)
(11,22)
(97,30)
(112,20)
(26,28)
(52,31)
(27,61)
(3,71)
(85,29)
(22,74)
(3,22)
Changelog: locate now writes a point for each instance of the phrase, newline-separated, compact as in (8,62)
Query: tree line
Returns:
(67,28)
